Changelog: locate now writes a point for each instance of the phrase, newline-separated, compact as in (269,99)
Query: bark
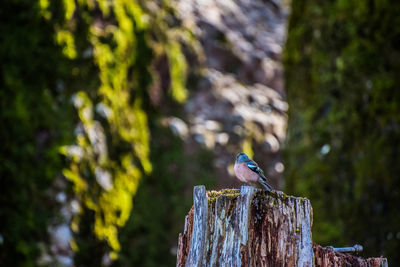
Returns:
(325,257)
(252,227)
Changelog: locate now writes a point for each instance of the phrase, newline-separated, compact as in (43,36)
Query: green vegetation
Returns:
(230,193)
(102,165)
(36,119)
(85,86)
(164,198)
(342,64)
(76,101)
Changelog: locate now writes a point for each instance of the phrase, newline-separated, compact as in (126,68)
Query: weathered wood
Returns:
(325,257)
(252,227)
(185,239)
(196,252)
(249,227)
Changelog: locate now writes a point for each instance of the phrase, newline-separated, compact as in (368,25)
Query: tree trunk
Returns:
(252,227)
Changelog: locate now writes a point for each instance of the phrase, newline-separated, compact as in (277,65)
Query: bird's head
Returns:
(241,157)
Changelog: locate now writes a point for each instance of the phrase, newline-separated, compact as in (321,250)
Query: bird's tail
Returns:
(263,182)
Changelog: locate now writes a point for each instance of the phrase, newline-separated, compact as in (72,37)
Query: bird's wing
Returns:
(252,165)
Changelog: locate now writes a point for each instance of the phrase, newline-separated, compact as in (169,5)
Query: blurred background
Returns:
(111,111)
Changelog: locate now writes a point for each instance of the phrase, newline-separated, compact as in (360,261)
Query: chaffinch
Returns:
(247,171)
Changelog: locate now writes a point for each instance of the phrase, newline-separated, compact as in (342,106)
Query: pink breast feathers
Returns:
(244,174)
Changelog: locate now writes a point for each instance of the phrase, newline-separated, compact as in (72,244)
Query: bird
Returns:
(247,171)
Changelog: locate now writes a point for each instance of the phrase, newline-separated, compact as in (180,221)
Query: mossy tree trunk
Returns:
(342,65)
(252,227)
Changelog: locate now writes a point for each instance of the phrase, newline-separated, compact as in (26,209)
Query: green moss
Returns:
(229,193)
(100,56)
(342,61)
(35,121)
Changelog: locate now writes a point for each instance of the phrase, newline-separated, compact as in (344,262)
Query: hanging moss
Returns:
(114,143)
(342,61)
(75,81)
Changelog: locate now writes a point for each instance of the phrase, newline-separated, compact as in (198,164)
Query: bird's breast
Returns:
(244,174)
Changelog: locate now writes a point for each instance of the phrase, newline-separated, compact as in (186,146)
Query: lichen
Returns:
(230,193)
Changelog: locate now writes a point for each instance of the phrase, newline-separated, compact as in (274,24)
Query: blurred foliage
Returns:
(35,121)
(160,206)
(342,62)
(103,170)
(78,79)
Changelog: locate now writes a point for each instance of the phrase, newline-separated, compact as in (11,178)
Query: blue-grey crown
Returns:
(241,157)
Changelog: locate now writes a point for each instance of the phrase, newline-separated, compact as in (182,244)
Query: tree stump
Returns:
(253,227)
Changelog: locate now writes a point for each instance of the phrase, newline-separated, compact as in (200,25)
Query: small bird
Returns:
(247,171)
